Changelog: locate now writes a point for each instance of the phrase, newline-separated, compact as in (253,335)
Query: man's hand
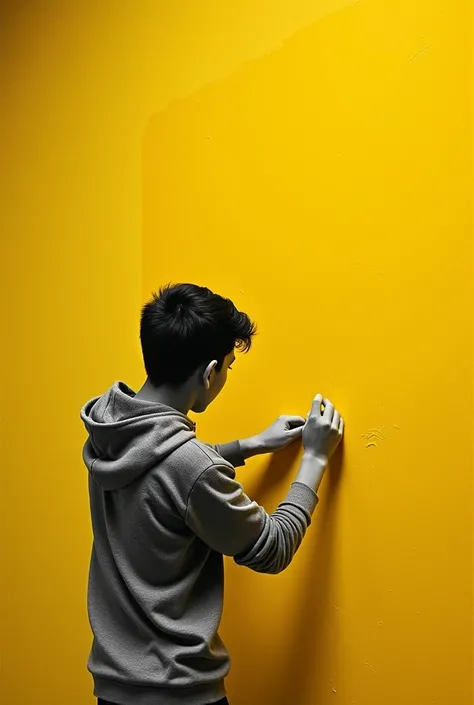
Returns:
(324,429)
(277,436)
(321,435)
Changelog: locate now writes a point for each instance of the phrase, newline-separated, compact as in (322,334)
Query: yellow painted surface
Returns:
(313,162)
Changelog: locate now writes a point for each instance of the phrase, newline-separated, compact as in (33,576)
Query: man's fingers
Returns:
(328,410)
(316,406)
(335,419)
(341,426)
(294,421)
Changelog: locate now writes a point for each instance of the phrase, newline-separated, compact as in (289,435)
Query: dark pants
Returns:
(224,701)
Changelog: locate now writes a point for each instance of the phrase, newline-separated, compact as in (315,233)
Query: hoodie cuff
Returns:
(232,452)
(302,496)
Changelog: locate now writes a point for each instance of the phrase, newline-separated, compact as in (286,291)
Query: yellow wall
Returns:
(313,162)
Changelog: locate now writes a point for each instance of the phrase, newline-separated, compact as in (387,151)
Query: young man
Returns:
(165,507)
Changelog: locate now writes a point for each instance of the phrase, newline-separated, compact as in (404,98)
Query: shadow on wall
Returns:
(302,659)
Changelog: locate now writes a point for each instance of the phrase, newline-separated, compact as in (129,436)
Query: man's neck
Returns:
(175,397)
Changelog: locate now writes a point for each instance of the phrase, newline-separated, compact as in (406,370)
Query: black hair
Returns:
(185,326)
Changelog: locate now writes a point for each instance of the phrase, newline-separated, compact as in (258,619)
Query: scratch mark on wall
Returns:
(420,51)
(373,433)
(372,436)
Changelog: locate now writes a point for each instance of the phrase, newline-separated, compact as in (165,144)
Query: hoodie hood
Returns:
(128,436)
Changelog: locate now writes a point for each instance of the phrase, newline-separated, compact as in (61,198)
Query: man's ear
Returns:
(207,376)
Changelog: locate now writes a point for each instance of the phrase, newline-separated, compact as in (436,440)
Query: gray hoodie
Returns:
(165,508)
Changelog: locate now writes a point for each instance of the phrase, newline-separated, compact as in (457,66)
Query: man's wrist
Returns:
(312,469)
(314,456)
(252,446)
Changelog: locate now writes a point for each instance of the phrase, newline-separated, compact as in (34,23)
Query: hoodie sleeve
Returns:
(227,520)
(231,452)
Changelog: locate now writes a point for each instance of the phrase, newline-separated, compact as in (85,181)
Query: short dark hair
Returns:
(185,326)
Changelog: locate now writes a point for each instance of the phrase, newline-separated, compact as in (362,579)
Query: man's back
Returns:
(155,589)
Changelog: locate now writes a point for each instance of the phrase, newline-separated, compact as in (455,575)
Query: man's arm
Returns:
(228,521)
(232,452)
(285,430)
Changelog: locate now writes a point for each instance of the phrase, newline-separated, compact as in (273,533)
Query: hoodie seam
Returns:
(203,450)
(107,405)
(92,465)
(92,469)
(209,467)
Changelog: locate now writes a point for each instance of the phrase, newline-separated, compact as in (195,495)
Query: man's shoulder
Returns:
(186,465)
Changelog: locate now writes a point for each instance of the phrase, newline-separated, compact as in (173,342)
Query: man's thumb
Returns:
(295,432)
